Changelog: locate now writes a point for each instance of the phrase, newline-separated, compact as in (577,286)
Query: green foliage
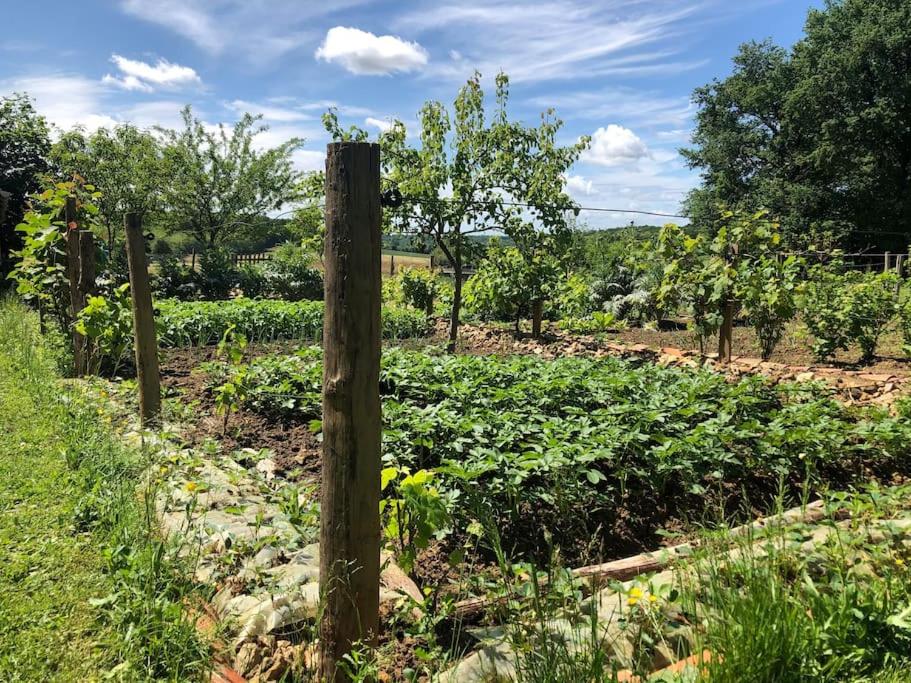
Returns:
(89,591)
(414,512)
(217,274)
(469,171)
(40,270)
(507,283)
(188,323)
(24,147)
(419,288)
(518,436)
(229,396)
(840,310)
(597,322)
(124,163)
(789,126)
(290,276)
(219,184)
(571,299)
(740,261)
(108,323)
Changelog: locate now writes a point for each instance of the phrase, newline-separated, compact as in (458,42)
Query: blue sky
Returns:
(619,70)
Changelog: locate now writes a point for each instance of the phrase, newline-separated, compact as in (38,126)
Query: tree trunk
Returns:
(350,487)
(456,296)
(537,312)
(726,331)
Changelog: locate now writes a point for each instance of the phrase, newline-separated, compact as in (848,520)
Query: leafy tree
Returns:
(124,163)
(219,183)
(470,175)
(509,286)
(739,263)
(817,134)
(24,147)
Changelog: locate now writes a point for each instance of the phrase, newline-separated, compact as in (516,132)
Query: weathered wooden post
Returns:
(887,261)
(73,271)
(144,340)
(391,265)
(350,495)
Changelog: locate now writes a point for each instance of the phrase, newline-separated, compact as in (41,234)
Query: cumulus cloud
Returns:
(576,184)
(364,53)
(145,77)
(615,145)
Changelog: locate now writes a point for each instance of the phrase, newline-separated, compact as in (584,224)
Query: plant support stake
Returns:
(350,488)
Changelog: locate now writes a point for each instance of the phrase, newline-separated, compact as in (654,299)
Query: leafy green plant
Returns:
(539,440)
(596,323)
(108,323)
(419,288)
(767,286)
(840,310)
(230,395)
(415,511)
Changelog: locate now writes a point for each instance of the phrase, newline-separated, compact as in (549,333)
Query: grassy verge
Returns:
(87,592)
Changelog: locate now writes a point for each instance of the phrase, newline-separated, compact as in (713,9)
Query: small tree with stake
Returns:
(471,175)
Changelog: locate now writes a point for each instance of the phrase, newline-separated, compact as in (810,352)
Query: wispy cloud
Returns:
(269,112)
(259,31)
(560,39)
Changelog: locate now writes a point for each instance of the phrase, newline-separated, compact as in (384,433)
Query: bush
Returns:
(289,276)
(252,281)
(108,324)
(419,288)
(852,308)
(767,287)
(217,274)
(572,298)
(175,280)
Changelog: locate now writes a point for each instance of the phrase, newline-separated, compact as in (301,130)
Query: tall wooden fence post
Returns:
(350,495)
(74,275)
(144,340)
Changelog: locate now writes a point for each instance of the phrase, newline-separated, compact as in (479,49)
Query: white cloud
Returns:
(615,145)
(576,184)
(382,124)
(365,53)
(66,100)
(559,39)
(269,112)
(137,75)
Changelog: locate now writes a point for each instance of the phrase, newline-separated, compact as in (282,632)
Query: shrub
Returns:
(572,298)
(175,279)
(852,308)
(252,281)
(108,324)
(217,274)
(767,288)
(289,276)
(419,288)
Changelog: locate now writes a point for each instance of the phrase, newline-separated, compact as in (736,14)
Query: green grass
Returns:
(87,592)
(48,571)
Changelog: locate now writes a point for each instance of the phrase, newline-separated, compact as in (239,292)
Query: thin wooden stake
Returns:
(144,339)
(350,487)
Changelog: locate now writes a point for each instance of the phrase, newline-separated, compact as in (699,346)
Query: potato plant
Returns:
(562,446)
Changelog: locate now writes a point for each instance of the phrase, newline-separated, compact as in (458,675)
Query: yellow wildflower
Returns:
(635,592)
(652,598)
(632,602)
(191,486)
(899,561)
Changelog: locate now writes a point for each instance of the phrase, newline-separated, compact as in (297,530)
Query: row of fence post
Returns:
(350,484)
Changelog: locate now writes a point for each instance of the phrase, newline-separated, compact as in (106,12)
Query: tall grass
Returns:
(145,605)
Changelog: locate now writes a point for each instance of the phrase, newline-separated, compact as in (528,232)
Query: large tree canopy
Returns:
(124,163)
(219,182)
(819,134)
(24,147)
